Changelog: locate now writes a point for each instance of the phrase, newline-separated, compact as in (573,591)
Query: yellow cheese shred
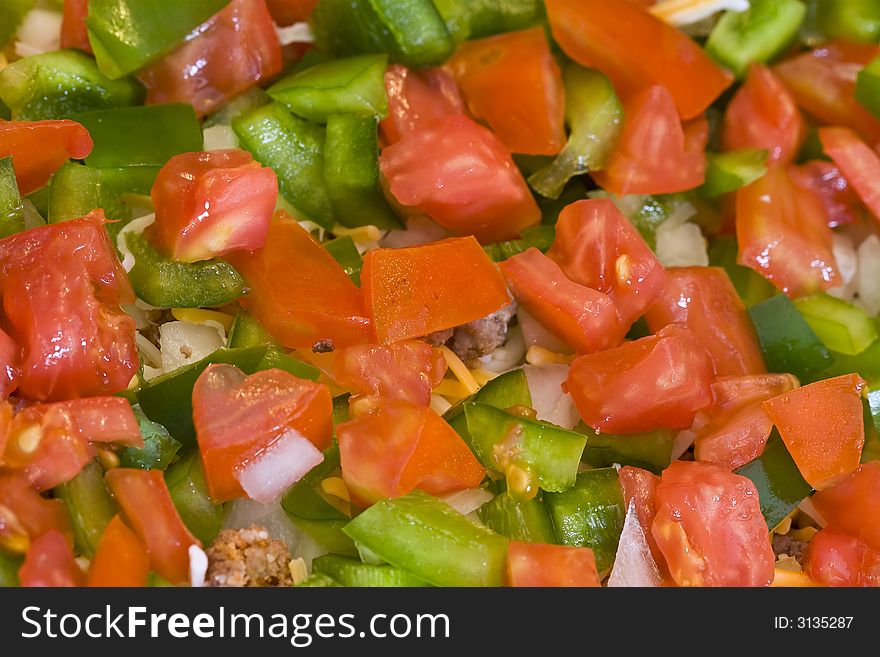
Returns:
(360,234)
(459,369)
(199,316)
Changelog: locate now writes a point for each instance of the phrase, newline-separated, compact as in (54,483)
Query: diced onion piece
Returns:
(685,12)
(847,266)
(183,343)
(549,401)
(198,566)
(135,226)
(439,405)
(279,466)
(419,230)
(869,275)
(467,501)
(219,138)
(681,245)
(633,565)
(683,440)
(535,335)
(296,33)
(40,32)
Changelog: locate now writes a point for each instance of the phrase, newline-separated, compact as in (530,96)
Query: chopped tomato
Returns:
(735,430)
(469,184)
(208,204)
(121,558)
(401,447)
(38,149)
(851,506)
(657,382)
(598,247)
(637,50)
(857,161)
(415,291)
(579,316)
(821,424)
(704,300)
(639,487)
(840,560)
(144,499)
(6,412)
(416,99)
(823,84)
(299,292)
(102,419)
(513,82)
(234,50)
(537,564)
(783,234)
(25,515)
(288,12)
(9,370)
(406,370)
(62,285)
(709,527)
(49,562)
(763,114)
(74,33)
(655,153)
(842,204)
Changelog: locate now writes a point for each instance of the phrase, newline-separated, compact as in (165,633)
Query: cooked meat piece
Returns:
(437,338)
(483,336)
(787,545)
(247,557)
(323,347)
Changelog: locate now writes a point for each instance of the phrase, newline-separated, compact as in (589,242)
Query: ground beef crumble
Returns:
(786,545)
(247,558)
(478,338)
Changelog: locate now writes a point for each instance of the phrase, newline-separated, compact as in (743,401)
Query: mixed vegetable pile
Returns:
(440,292)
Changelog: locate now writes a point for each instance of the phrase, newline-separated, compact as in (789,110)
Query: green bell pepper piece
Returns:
(728,172)
(842,327)
(75,190)
(11,206)
(351,572)
(758,34)
(351,172)
(595,117)
(852,20)
(788,342)
(539,237)
(167,399)
(329,534)
(159,449)
(340,409)
(189,493)
(871,408)
(277,359)
(252,99)
(9,566)
(318,580)
(865,364)
(530,453)
(650,451)
(126,35)
(474,19)
(90,506)
(779,482)
(504,391)
(346,254)
(518,520)
(868,87)
(354,85)
(428,538)
(294,148)
(751,287)
(247,332)
(412,33)
(590,514)
(12,15)
(167,283)
(57,85)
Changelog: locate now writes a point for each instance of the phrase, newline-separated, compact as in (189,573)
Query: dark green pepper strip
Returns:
(429,539)
(868,87)
(728,172)
(159,449)
(504,391)
(167,399)
(167,283)
(294,148)
(474,19)
(340,409)
(303,499)
(758,34)
(75,190)
(189,492)
(277,359)
(751,287)
(529,453)
(518,520)
(9,566)
(355,85)
(12,15)
(780,484)
(56,85)
(90,506)
(539,237)
(351,572)
(595,117)
(852,20)
(843,327)
(590,514)
(346,254)
(126,35)
(865,364)
(11,206)
(247,332)
(650,451)
(871,450)
(412,32)
(788,342)
(351,172)
(318,580)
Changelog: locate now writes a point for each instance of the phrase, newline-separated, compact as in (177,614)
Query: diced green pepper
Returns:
(788,342)
(303,499)
(412,32)
(779,482)
(865,364)
(167,399)
(56,85)
(473,19)
(852,20)
(751,287)
(758,34)
(840,325)
(76,190)
(728,172)
(294,148)
(351,173)
(329,534)
(649,451)
(539,237)
(247,332)
(189,492)
(354,85)
(90,506)
(277,359)
(248,101)
(11,206)
(167,283)
(595,118)
(126,35)
(5,112)
(346,254)
(428,538)
(9,566)
(871,450)
(504,391)
(590,514)
(340,409)
(318,580)
(159,449)
(868,87)
(12,14)
(518,520)
(351,572)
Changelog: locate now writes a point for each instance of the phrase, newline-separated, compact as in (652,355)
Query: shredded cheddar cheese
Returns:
(785,577)
(198,316)
(336,486)
(482,376)
(540,356)
(452,388)
(685,12)
(459,369)
(360,235)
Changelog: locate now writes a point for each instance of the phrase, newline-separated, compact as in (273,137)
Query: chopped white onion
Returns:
(548,400)
(847,266)
(149,352)
(869,275)
(198,566)
(419,230)
(40,32)
(467,501)
(439,404)
(633,564)
(507,356)
(219,138)
(683,440)
(296,33)
(686,12)
(535,335)
(681,245)
(279,466)
(134,226)
(183,343)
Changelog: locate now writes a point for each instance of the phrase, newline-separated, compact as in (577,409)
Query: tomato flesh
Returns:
(39,148)
(842,204)
(26,515)
(858,163)
(49,563)
(288,12)
(74,33)
(639,487)
(851,506)
(840,560)
(121,558)
(416,99)
(540,565)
